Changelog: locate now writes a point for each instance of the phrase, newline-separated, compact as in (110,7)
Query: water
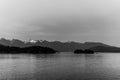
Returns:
(63,66)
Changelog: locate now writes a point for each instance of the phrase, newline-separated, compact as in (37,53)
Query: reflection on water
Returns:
(63,66)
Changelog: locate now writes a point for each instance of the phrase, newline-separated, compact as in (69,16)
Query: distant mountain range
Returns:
(105,49)
(61,46)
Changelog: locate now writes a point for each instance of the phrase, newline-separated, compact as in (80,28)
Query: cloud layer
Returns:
(65,20)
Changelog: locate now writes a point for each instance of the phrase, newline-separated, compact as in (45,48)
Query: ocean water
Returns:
(62,66)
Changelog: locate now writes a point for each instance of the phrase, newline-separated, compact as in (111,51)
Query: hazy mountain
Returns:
(105,49)
(56,45)
(17,43)
(5,41)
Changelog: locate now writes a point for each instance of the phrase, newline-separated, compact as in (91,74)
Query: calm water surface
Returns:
(63,66)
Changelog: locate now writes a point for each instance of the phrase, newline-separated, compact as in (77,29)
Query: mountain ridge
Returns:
(56,45)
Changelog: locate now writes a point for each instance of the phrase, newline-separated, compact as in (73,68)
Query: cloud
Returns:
(81,20)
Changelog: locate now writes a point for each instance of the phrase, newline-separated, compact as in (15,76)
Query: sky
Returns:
(62,20)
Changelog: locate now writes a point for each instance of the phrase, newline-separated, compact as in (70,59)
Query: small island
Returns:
(86,51)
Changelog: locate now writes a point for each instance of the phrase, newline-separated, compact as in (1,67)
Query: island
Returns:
(86,51)
(30,50)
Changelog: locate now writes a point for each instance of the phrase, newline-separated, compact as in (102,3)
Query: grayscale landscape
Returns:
(59,40)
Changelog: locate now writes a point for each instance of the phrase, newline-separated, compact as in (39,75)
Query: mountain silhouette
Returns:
(56,45)
(105,49)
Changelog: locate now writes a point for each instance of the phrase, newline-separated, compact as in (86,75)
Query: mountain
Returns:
(13,42)
(4,41)
(56,45)
(17,43)
(105,49)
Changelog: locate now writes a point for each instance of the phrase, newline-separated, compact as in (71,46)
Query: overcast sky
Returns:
(63,20)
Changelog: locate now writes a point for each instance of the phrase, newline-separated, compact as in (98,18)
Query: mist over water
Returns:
(63,66)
